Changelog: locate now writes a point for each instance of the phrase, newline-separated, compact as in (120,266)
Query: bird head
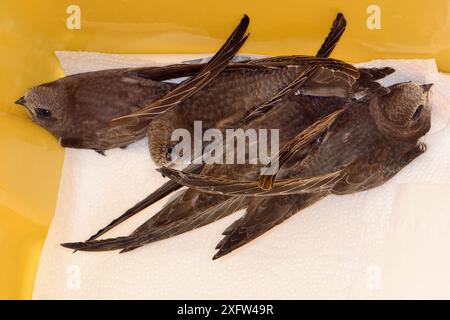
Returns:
(405,112)
(45,105)
(159,133)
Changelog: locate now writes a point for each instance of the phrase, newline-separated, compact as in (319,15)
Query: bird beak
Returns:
(426,87)
(21,101)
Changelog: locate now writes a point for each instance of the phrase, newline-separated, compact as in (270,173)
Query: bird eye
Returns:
(169,150)
(43,113)
(417,113)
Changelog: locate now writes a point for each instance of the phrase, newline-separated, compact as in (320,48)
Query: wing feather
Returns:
(213,68)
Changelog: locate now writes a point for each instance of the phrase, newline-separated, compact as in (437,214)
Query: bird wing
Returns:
(202,209)
(185,90)
(186,70)
(304,75)
(169,72)
(261,216)
(175,71)
(318,74)
(296,60)
(267,185)
(166,189)
(366,83)
(333,37)
(375,168)
(374,73)
(155,196)
(231,187)
(148,232)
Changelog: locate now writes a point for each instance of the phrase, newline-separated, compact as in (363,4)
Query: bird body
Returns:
(78,109)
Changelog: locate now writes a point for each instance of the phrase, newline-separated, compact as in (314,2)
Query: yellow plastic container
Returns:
(30,31)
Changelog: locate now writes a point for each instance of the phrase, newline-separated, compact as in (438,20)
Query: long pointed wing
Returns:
(169,72)
(166,189)
(193,219)
(317,74)
(184,70)
(251,188)
(333,37)
(261,216)
(155,196)
(213,68)
(196,218)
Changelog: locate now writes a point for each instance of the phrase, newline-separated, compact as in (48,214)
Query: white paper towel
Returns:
(388,242)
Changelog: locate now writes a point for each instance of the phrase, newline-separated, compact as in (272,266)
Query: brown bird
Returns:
(77,109)
(254,94)
(219,106)
(245,91)
(356,147)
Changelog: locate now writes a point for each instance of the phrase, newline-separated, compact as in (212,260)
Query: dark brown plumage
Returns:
(78,109)
(375,130)
(363,146)
(366,144)
(233,104)
(255,92)
(192,209)
(161,127)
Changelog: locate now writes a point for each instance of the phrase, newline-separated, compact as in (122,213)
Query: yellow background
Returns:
(30,31)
